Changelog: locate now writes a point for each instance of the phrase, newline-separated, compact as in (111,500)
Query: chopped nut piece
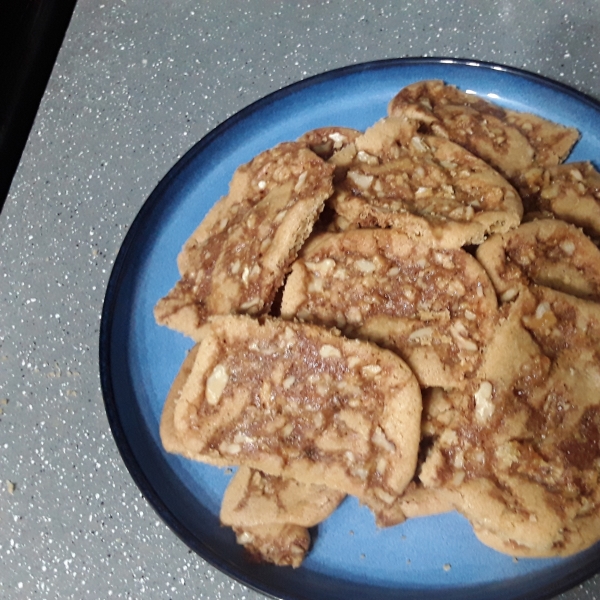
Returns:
(484,407)
(370,370)
(365,266)
(363,181)
(424,335)
(328,351)
(288,382)
(301,181)
(215,384)
(380,440)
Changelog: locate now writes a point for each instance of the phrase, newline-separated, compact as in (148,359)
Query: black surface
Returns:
(31,33)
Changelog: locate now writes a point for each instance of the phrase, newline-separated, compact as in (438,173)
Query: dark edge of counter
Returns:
(31,34)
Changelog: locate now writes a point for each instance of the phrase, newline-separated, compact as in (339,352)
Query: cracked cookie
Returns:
(570,192)
(347,415)
(518,454)
(286,507)
(547,252)
(434,307)
(510,141)
(237,258)
(435,191)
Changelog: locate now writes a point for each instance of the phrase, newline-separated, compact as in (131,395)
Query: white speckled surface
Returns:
(137,82)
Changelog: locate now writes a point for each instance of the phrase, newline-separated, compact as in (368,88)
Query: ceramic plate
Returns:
(351,559)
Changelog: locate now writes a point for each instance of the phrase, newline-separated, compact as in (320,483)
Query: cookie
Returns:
(417,500)
(270,515)
(518,453)
(547,252)
(238,257)
(432,189)
(298,401)
(570,192)
(434,307)
(253,498)
(510,141)
(437,416)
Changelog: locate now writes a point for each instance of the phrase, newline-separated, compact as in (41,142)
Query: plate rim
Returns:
(152,201)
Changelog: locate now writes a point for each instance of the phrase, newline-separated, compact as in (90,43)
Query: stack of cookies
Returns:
(407,315)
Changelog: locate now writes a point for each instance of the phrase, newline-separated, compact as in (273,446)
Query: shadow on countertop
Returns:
(31,33)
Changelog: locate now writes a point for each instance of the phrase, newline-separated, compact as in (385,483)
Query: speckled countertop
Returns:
(135,85)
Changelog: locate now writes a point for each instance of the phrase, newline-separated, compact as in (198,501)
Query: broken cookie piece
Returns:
(546,252)
(510,141)
(346,415)
(238,257)
(570,192)
(270,515)
(435,308)
(433,190)
(255,498)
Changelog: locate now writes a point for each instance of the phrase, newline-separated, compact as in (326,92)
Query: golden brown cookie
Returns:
(254,498)
(518,454)
(510,141)
(270,515)
(435,191)
(302,402)
(570,192)
(433,307)
(238,257)
(547,252)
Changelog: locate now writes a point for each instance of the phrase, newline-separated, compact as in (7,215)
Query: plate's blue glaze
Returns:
(351,559)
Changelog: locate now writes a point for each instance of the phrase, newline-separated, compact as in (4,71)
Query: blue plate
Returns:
(351,559)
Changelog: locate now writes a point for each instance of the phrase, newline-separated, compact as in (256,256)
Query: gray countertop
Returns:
(136,84)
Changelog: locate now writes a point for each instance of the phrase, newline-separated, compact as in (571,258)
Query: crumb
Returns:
(363,556)
(515,559)
(10,486)
(447,567)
